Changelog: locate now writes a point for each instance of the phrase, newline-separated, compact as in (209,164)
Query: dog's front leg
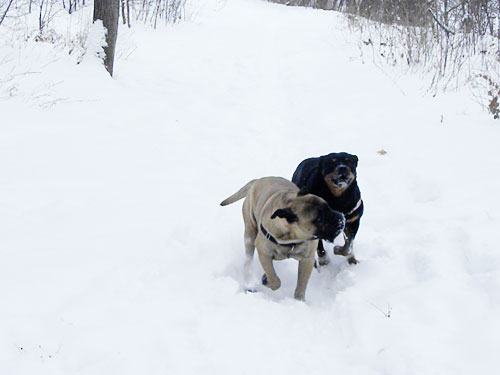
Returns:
(270,278)
(350,231)
(323,257)
(305,268)
(346,250)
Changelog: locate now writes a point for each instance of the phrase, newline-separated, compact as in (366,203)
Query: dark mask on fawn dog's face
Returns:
(310,217)
(339,171)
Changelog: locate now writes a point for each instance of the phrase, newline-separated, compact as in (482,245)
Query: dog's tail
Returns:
(242,193)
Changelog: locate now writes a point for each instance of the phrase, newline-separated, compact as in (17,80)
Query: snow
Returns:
(117,258)
(96,41)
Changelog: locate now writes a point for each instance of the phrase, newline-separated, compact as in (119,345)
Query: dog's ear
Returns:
(304,190)
(355,159)
(285,213)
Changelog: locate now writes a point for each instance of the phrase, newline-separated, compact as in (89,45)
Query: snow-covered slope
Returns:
(116,258)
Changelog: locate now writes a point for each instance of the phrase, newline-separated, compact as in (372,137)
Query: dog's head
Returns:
(339,171)
(308,216)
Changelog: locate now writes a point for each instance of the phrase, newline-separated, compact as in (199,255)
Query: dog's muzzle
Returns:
(339,228)
(342,176)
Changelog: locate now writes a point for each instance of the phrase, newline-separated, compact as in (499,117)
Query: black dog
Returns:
(333,178)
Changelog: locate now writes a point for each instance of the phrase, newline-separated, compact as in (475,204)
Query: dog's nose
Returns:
(343,170)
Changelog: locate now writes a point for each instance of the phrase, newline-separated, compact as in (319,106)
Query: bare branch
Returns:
(448,31)
(6,10)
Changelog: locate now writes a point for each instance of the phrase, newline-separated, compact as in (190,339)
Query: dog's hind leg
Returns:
(249,241)
(250,235)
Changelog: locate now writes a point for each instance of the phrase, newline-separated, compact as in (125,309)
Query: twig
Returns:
(455,7)
(6,10)
(386,314)
(448,31)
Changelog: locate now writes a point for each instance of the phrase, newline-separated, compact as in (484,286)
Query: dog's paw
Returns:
(324,260)
(275,284)
(340,250)
(300,297)
(352,260)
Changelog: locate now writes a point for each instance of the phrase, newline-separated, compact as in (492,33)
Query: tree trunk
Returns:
(108,12)
(498,28)
(128,14)
(124,21)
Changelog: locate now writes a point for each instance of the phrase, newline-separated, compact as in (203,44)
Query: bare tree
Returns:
(108,11)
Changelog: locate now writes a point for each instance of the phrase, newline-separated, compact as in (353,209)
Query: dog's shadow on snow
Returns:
(325,282)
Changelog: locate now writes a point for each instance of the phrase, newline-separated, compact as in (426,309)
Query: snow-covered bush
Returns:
(40,14)
(448,60)
(153,12)
(455,42)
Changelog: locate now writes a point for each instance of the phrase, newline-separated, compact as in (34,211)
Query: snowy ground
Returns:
(116,258)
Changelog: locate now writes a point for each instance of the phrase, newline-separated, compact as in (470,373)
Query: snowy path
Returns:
(117,259)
